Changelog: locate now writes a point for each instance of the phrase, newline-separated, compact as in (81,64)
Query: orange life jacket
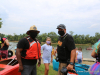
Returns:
(34,51)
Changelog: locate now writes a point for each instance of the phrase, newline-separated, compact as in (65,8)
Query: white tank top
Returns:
(79,55)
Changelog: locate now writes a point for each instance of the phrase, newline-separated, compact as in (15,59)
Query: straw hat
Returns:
(32,28)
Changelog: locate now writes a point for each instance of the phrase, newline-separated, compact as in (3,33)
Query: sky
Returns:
(79,16)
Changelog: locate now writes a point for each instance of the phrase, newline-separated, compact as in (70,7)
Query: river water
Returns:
(86,53)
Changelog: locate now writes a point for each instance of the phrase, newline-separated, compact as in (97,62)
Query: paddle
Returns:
(11,61)
(81,67)
(14,62)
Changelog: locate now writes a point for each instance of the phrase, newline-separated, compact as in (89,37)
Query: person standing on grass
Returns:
(66,51)
(79,55)
(47,54)
(28,52)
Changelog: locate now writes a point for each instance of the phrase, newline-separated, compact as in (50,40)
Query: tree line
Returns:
(78,39)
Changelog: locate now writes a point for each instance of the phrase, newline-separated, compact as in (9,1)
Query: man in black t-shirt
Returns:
(65,49)
(25,48)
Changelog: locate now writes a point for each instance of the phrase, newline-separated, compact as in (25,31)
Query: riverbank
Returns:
(56,43)
(13,41)
(75,44)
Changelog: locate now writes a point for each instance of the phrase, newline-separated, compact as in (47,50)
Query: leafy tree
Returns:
(0,22)
(78,39)
(71,33)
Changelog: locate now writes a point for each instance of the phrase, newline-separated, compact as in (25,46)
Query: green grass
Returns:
(41,69)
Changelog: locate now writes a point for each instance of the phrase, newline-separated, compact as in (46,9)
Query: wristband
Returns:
(71,63)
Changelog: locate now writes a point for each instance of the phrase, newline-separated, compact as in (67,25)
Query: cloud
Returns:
(94,26)
(47,14)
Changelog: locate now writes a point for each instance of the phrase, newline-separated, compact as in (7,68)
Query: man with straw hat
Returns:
(28,51)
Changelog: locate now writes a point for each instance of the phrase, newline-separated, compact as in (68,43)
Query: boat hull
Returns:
(9,69)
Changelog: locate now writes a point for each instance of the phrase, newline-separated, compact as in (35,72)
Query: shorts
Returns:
(46,60)
(79,60)
(61,65)
(4,53)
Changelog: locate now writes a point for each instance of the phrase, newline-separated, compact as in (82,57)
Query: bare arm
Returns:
(55,52)
(18,54)
(76,55)
(93,53)
(51,57)
(72,59)
(73,54)
(2,45)
(7,42)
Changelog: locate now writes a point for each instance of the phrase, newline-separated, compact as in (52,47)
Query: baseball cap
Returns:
(62,26)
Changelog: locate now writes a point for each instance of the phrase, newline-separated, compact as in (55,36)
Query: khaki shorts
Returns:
(60,67)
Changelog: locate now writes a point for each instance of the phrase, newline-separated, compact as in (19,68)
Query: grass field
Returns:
(41,69)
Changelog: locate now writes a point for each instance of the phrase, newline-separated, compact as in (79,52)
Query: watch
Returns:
(71,63)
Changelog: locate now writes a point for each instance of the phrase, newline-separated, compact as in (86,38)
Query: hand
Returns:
(70,67)
(39,63)
(51,60)
(20,68)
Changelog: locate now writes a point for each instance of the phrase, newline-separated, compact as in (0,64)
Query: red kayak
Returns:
(9,66)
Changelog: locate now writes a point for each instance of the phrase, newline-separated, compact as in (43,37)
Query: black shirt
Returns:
(65,46)
(24,44)
(5,47)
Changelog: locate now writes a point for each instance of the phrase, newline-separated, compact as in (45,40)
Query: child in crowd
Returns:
(79,55)
(47,54)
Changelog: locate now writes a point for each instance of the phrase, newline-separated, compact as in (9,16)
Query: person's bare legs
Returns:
(46,68)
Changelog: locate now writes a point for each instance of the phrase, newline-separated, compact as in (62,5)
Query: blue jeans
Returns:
(79,60)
